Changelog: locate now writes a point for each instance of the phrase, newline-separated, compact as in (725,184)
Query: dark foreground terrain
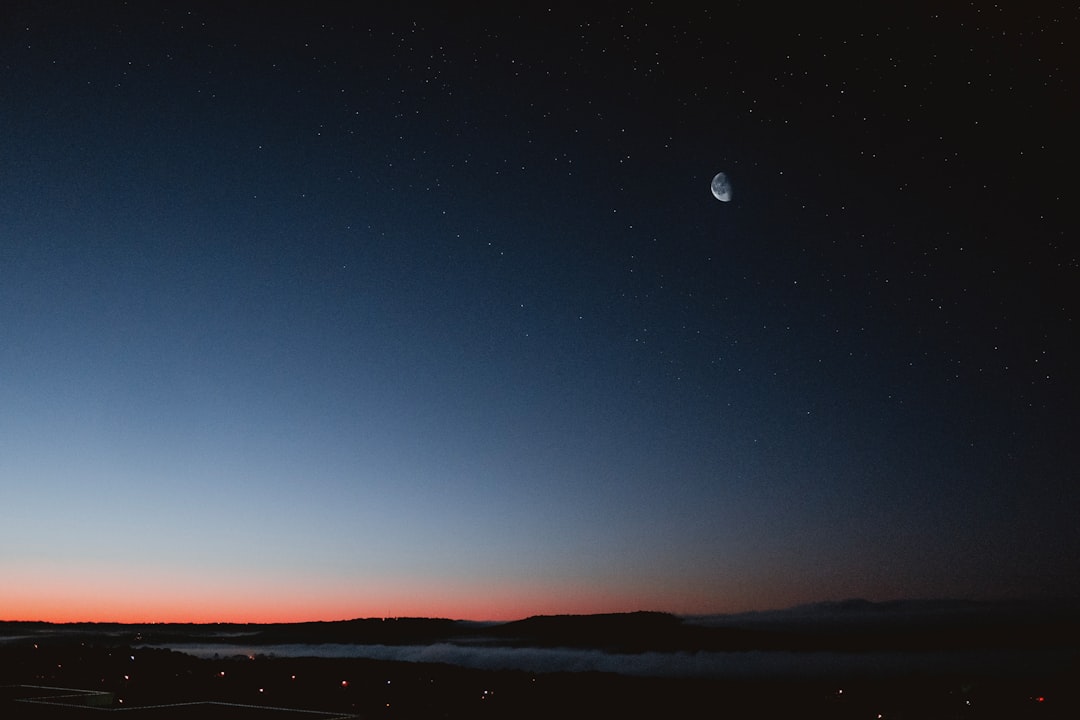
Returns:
(167,684)
(101,671)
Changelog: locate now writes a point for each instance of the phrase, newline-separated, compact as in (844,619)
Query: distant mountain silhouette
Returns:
(623,632)
(848,625)
(933,624)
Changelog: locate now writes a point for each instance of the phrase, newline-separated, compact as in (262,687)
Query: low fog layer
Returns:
(658,664)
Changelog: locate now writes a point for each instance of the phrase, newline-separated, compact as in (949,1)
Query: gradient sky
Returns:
(321,314)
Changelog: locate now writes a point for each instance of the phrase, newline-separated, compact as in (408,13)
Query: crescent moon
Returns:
(721,187)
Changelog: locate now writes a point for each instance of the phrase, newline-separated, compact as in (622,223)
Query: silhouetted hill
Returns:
(848,626)
(626,632)
(856,625)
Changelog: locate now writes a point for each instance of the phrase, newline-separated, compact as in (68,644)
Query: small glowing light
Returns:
(1040,699)
(127,677)
(344,683)
(261,690)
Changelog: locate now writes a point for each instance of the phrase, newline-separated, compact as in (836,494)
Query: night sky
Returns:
(324,313)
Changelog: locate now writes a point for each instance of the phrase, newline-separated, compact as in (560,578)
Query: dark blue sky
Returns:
(322,313)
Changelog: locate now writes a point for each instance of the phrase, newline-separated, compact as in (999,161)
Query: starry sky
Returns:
(320,313)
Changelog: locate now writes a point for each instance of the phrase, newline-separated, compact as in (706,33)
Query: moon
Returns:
(721,187)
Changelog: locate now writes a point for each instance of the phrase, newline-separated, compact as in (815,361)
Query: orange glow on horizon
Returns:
(106,595)
(126,613)
(196,607)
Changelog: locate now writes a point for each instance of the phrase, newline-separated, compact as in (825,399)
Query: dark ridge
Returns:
(848,626)
(627,633)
